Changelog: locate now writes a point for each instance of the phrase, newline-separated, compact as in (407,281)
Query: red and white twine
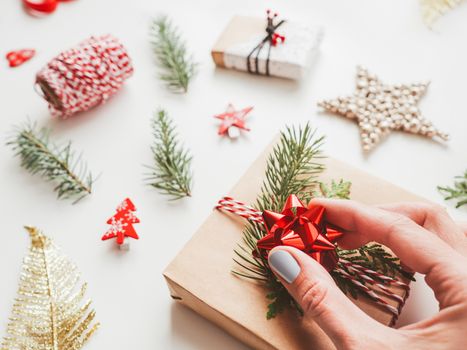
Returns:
(371,293)
(85,76)
(377,282)
(239,208)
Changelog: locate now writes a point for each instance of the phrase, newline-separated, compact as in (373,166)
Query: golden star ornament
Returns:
(379,108)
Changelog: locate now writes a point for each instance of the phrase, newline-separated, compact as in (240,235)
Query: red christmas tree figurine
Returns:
(121,224)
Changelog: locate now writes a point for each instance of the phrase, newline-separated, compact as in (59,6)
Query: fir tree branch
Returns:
(176,65)
(292,168)
(339,190)
(171,173)
(53,162)
(458,192)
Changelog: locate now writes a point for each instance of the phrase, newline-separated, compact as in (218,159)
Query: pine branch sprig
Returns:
(335,189)
(176,65)
(171,173)
(292,168)
(54,162)
(457,192)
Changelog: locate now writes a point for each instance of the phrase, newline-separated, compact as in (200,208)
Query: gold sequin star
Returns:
(380,108)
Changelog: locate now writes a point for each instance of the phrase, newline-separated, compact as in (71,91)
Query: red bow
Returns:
(303,228)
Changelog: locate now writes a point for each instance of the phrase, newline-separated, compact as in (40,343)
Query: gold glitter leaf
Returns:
(48,313)
(433,9)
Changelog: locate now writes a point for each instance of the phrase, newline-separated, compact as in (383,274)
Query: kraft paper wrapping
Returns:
(289,60)
(199,277)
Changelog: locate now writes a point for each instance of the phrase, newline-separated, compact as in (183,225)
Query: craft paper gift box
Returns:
(200,278)
(287,60)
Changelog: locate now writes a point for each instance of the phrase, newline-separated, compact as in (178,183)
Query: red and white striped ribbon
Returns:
(370,272)
(84,76)
(233,206)
(371,293)
(376,280)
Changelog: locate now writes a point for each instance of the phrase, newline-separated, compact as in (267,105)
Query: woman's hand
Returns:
(424,237)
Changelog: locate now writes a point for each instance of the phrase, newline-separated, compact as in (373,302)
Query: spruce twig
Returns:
(339,190)
(292,168)
(458,192)
(55,163)
(176,65)
(171,173)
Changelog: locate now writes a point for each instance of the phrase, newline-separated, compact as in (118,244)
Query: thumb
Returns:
(321,300)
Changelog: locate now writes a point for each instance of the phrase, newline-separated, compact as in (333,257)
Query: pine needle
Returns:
(458,192)
(55,163)
(171,173)
(176,65)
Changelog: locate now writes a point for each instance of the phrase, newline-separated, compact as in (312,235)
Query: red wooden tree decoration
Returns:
(121,224)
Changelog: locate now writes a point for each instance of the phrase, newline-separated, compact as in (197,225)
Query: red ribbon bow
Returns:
(303,228)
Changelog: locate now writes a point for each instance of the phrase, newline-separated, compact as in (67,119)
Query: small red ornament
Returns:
(121,224)
(18,57)
(274,37)
(233,121)
(277,38)
(42,6)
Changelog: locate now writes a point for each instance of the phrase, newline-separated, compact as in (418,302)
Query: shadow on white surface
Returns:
(420,305)
(265,83)
(191,331)
(262,82)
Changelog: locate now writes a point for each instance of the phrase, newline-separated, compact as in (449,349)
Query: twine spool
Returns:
(85,76)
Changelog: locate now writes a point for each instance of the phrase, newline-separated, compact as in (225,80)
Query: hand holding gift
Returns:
(428,242)
(323,259)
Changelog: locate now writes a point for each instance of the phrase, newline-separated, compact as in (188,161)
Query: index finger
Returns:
(417,247)
(434,218)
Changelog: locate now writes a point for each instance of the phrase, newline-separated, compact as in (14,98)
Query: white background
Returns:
(128,290)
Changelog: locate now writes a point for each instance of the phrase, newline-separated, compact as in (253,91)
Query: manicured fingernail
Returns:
(284,265)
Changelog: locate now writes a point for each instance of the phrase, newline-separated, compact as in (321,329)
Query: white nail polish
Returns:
(284,264)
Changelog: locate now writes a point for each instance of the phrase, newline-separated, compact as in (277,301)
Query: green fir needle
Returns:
(457,192)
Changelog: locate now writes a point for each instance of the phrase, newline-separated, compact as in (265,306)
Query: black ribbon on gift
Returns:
(268,39)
